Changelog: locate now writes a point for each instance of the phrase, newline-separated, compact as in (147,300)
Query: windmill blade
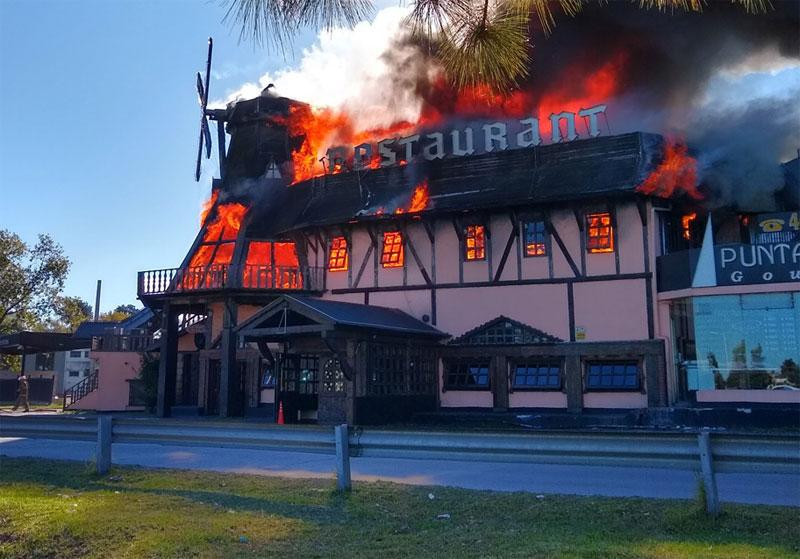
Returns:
(202,97)
(206,136)
(201,91)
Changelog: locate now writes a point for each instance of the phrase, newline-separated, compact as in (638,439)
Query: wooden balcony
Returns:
(218,277)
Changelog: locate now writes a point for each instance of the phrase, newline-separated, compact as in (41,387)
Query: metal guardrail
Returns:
(707,452)
(731,453)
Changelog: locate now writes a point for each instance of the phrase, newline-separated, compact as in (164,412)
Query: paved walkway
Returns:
(775,489)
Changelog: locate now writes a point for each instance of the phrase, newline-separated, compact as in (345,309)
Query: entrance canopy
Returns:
(292,315)
(24,343)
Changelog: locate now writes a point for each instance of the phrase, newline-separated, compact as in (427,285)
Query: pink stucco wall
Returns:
(116,369)
(467,399)
(537,400)
(540,306)
(611,310)
(618,400)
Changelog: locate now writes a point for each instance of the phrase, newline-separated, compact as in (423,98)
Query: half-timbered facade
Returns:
(516,280)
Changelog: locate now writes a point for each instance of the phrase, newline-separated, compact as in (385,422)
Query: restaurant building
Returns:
(543,278)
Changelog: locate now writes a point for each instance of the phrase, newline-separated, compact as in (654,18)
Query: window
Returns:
(537,376)
(535,238)
(392,255)
(599,233)
(74,353)
(299,373)
(74,373)
(467,375)
(333,376)
(337,260)
(45,361)
(474,242)
(612,375)
(267,376)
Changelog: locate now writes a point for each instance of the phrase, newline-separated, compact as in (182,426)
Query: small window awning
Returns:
(292,315)
(24,342)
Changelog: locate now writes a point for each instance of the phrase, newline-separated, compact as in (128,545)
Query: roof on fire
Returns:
(314,311)
(593,168)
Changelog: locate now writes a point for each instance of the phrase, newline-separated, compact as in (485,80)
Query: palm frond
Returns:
(750,6)
(428,18)
(490,47)
(277,22)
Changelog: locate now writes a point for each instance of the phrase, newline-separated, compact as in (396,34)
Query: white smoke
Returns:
(349,69)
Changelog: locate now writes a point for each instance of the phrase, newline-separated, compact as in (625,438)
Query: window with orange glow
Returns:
(535,238)
(337,259)
(392,255)
(475,242)
(599,233)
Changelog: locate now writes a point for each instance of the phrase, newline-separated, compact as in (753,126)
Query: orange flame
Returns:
(419,200)
(676,174)
(686,225)
(581,86)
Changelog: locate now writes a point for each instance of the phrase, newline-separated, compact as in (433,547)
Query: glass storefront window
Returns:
(747,341)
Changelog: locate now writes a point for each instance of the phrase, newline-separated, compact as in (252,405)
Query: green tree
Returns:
(130,310)
(69,313)
(31,280)
(476,41)
(148,375)
(120,313)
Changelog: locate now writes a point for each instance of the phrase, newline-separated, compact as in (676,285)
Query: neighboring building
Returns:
(542,278)
(115,360)
(48,356)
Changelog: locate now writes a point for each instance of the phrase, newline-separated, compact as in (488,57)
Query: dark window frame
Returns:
(338,255)
(613,363)
(475,232)
(458,363)
(392,253)
(598,241)
(536,363)
(544,241)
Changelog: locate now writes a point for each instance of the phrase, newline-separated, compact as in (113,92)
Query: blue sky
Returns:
(99,128)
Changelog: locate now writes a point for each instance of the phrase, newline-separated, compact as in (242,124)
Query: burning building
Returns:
(517,258)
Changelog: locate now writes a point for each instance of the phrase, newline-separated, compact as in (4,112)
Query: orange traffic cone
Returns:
(280,414)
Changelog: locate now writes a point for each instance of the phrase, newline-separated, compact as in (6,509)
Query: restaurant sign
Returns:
(471,139)
(773,256)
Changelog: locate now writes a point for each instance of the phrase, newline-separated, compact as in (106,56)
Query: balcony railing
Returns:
(122,342)
(224,276)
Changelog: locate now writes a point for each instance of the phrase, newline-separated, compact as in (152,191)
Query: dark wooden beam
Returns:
(509,244)
(554,234)
(612,211)
(363,265)
(410,244)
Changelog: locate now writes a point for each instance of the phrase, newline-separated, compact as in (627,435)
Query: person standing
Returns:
(22,393)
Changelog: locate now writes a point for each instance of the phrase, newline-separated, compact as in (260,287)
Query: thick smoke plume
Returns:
(670,73)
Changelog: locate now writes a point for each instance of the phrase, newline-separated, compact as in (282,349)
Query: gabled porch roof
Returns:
(296,315)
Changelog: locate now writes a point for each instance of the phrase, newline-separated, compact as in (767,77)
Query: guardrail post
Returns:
(104,425)
(707,468)
(342,457)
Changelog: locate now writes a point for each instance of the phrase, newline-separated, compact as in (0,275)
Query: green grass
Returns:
(61,509)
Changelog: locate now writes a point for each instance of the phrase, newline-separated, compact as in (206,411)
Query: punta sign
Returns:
(468,140)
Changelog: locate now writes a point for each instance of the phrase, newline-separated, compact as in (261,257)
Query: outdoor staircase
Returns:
(81,390)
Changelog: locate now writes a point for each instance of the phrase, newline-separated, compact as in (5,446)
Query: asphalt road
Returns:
(772,489)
